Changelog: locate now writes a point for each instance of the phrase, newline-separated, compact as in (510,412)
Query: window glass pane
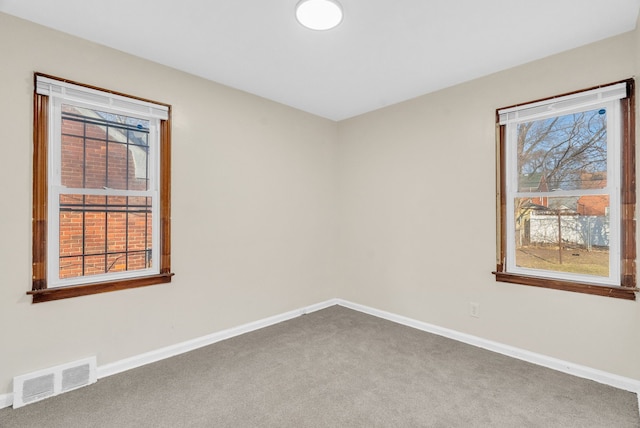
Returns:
(72,160)
(563,234)
(104,234)
(100,149)
(563,153)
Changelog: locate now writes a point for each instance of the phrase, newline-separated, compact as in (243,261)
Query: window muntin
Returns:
(566,173)
(101,235)
(94,147)
(101,191)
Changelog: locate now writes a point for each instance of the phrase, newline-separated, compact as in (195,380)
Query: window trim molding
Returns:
(39,291)
(627,288)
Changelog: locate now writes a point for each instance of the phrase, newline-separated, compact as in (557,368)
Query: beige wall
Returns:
(394,209)
(417,216)
(253,204)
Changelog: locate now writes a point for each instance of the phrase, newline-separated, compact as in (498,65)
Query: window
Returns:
(101,191)
(566,192)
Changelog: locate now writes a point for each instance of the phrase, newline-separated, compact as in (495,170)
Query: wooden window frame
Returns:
(39,291)
(627,286)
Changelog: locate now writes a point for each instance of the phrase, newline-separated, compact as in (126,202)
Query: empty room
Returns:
(226,213)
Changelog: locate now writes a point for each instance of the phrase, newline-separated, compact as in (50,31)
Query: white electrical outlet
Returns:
(474,309)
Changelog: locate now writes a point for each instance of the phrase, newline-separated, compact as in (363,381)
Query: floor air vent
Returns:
(46,383)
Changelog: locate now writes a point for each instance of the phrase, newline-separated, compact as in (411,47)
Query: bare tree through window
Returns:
(565,156)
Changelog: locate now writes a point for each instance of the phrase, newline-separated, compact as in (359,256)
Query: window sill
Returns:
(626,293)
(49,294)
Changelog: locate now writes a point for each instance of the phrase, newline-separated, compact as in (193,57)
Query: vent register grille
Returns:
(46,383)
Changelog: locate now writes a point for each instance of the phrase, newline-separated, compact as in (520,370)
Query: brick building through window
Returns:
(102,234)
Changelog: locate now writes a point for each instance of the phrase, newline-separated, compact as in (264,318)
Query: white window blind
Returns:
(555,106)
(100,99)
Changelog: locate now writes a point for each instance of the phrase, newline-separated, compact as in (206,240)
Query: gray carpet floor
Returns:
(336,368)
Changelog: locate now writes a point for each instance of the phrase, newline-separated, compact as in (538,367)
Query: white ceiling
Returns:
(382,53)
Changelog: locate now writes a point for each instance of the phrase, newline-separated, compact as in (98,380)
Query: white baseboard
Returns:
(600,376)
(6,400)
(190,345)
(620,382)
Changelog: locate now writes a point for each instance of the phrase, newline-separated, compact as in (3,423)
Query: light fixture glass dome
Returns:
(319,14)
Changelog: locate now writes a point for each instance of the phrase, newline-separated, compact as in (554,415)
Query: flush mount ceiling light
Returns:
(319,14)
